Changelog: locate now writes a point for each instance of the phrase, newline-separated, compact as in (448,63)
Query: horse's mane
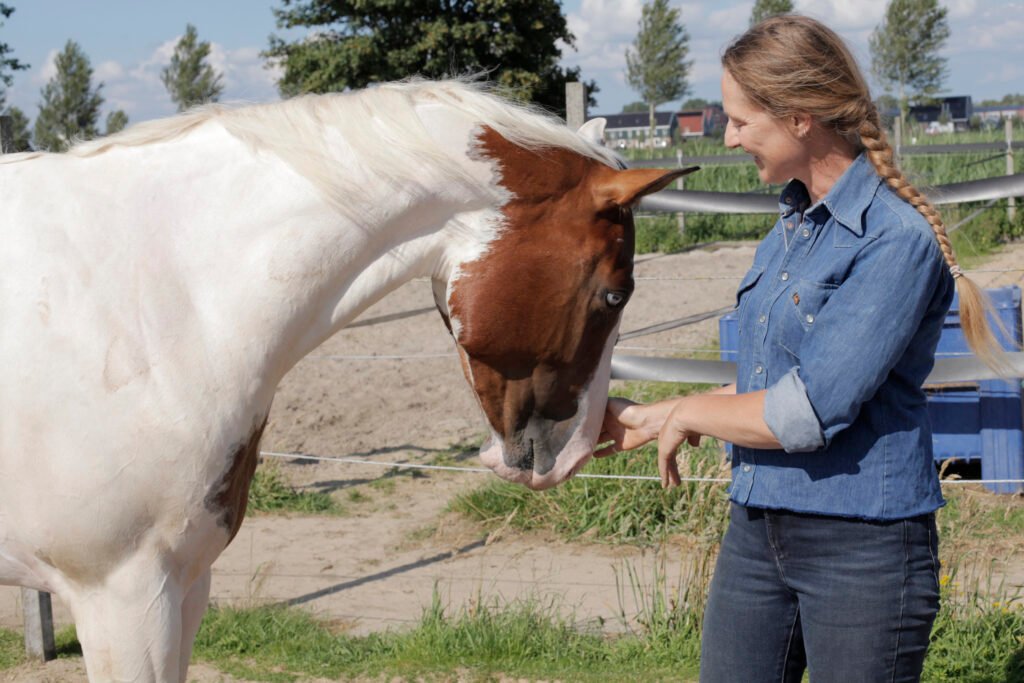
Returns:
(379,123)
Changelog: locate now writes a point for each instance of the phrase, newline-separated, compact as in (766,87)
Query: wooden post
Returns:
(38,609)
(897,132)
(6,135)
(680,185)
(575,105)
(1011,202)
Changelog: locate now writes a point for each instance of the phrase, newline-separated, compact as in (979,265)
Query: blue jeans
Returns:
(848,600)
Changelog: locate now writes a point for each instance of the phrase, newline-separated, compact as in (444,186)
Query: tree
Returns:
(189,78)
(694,103)
(634,107)
(656,65)
(7,63)
(116,122)
(359,42)
(769,8)
(905,49)
(21,138)
(70,106)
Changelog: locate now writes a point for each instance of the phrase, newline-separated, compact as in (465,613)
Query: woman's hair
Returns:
(791,64)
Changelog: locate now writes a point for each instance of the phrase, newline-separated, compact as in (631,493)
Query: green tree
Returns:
(906,47)
(116,122)
(358,42)
(71,107)
(656,65)
(634,107)
(189,78)
(769,8)
(694,103)
(8,64)
(21,138)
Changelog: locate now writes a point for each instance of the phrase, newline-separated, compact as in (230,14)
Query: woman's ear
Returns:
(801,125)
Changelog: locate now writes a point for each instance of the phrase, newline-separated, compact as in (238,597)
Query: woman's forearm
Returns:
(736,418)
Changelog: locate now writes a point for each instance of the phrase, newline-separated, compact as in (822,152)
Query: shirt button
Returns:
(762,318)
(806,233)
(746,468)
(788,199)
(758,369)
(809,318)
(785,276)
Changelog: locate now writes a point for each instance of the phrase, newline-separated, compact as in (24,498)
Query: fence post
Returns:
(680,185)
(6,135)
(897,133)
(37,607)
(1011,202)
(575,105)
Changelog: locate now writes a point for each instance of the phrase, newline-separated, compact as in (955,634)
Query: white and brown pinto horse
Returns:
(158,284)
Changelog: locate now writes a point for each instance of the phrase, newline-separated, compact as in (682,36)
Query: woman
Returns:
(830,559)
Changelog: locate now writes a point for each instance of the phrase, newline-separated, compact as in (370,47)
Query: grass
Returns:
(270,493)
(639,512)
(525,639)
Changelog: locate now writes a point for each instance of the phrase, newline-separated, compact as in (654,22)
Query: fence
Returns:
(39,640)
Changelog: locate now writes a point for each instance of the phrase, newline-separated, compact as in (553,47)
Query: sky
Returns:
(129,41)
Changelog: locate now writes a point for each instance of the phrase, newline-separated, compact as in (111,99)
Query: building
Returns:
(956,110)
(999,112)
(624,131)
(710,120)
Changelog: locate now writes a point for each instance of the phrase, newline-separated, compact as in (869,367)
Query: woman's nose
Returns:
(731,138)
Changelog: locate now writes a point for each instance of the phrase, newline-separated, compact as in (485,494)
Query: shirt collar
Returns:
(848,199)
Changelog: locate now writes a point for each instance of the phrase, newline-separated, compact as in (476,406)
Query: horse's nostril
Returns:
(527,462)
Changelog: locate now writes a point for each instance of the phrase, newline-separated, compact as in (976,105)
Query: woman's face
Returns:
(776,144)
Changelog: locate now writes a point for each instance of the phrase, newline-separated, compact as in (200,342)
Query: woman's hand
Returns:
(674,431)
(629,425)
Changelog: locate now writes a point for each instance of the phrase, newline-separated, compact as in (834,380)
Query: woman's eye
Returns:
(615,299)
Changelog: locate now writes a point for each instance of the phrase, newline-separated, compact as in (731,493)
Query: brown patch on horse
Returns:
(231,495)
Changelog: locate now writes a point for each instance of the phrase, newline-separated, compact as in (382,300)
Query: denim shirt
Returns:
(839,318)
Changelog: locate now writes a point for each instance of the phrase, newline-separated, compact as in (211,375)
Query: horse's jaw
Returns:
(579,435)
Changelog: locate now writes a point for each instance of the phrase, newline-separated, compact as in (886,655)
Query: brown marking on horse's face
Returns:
(537,311)
(228,499)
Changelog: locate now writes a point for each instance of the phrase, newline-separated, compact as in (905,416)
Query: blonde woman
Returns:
(830,560)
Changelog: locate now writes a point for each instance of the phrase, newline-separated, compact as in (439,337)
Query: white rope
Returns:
(624,477)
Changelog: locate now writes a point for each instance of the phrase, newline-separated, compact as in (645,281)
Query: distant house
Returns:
(956,110)
(631,130)
(999,112)
(700,122)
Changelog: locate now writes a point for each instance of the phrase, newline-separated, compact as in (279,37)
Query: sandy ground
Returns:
(379,566)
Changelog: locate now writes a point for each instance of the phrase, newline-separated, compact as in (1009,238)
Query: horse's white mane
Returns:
(379,123)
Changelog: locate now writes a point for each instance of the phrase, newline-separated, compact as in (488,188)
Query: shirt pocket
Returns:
(747,284)
(804,301)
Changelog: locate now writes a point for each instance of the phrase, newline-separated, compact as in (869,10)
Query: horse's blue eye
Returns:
(615,299)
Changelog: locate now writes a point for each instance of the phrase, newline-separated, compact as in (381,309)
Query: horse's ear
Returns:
(593,131)
(625,188)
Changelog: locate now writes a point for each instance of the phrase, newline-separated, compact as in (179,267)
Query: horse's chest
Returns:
(228,497)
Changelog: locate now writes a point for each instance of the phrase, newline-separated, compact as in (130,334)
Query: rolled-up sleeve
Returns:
(790,416)
(856,339)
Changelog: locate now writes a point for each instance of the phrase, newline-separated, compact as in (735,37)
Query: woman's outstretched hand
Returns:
(628,425)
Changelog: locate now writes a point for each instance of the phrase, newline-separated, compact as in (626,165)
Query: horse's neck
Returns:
(290,270)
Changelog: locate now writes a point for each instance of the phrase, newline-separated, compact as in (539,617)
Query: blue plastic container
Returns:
(979,421)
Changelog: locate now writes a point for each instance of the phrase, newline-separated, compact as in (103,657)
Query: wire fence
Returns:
(582,475)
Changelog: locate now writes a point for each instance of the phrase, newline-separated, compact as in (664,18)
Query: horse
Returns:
(158,283)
